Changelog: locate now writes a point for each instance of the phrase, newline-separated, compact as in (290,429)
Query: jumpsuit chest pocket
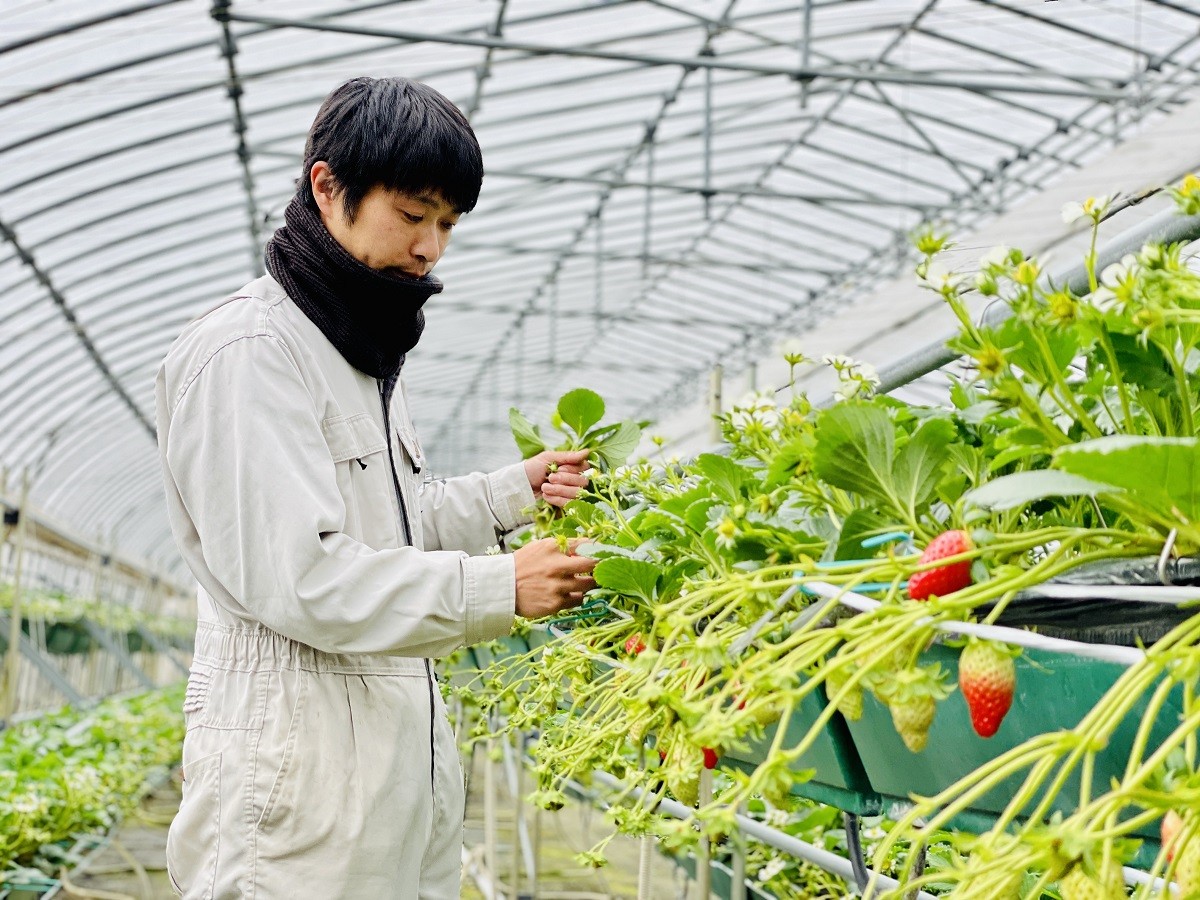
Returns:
(358,450)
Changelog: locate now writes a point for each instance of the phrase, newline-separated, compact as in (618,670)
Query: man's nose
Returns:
(426,246)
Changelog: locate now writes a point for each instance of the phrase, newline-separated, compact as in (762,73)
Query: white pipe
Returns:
(1125,656)
(830,862)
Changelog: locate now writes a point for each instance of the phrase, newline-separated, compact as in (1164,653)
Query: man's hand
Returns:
(557,476)
(549,580)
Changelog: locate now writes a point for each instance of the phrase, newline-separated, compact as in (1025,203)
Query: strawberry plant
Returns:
(1072,443)
(73,772)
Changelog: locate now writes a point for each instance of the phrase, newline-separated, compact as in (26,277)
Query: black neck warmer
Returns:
(372,317)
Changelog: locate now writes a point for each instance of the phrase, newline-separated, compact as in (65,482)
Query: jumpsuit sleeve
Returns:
(473,511)
(243,448)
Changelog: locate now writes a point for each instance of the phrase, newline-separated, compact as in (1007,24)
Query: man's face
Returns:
(392,231)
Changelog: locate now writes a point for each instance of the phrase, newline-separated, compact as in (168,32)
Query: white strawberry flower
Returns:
(772,868)
(997,256)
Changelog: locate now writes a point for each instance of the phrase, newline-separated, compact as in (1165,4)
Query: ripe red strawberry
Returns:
(946,579)
(987,678)
(710,757)
(1171,824)
(634,644)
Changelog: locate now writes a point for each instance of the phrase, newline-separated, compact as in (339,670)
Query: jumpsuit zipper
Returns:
(385,396)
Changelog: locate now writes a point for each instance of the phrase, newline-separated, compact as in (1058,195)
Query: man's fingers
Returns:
(576,470)
(568,457)
(584,583)
(568,478)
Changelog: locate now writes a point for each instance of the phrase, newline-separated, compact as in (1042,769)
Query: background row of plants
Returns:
(1070,441)
(77,772)
(60,618)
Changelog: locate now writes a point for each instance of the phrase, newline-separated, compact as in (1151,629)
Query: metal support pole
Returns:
(737,890)
(552,326)
(805,49)
(707,192)
(704,857)
(489,814)
(647,216)
(220,14)
(1017,84)
(599,264)
(714,399)
(518,815)
(13,663)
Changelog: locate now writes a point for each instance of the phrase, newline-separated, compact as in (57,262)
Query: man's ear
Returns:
(324,188)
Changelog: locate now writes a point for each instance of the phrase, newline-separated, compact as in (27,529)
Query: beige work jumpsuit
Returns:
(318,761)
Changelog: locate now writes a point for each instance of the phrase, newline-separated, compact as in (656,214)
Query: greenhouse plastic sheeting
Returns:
(670,186)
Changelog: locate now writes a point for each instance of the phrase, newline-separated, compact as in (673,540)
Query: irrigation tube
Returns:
(1125,656)
(830,862)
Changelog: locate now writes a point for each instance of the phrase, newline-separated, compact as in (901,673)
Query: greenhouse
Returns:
(600,448)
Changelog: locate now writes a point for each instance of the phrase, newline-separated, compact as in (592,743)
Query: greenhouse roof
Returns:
(670,185)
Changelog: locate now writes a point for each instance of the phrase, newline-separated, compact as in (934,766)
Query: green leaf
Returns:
(857,527)
(614,450)
(920,462)
(856,446)
(628,577)
(1159,472)
(725,476)
(697,514)
(1020,488)
(1144,366)
(789,456)
(679,503)
(580,409)
(526,434)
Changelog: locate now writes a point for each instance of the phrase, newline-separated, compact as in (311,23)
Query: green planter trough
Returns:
(1054,692)
(838,776)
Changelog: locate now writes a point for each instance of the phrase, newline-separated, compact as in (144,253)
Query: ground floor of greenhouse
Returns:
(552,839)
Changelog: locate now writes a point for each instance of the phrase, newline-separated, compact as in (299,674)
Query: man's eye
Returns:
(412,217)
(447,226)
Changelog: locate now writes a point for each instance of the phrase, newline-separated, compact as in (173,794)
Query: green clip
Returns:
(592,609)
(880,539)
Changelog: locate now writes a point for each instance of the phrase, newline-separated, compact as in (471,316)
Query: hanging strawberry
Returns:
(1080,884)
(911,696)
(987,678)
(947,579)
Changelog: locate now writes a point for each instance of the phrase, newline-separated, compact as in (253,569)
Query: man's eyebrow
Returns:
(435,200)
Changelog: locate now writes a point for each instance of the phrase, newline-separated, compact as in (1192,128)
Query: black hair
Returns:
(394,132)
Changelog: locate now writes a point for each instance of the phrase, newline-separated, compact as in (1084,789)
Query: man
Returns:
(318,761)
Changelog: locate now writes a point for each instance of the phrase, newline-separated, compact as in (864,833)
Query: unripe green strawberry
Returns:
(946,579)
(987,678)
(685,785)
(851,705)
(912,718)
(1187,870)
(1107,885)
(911,696)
